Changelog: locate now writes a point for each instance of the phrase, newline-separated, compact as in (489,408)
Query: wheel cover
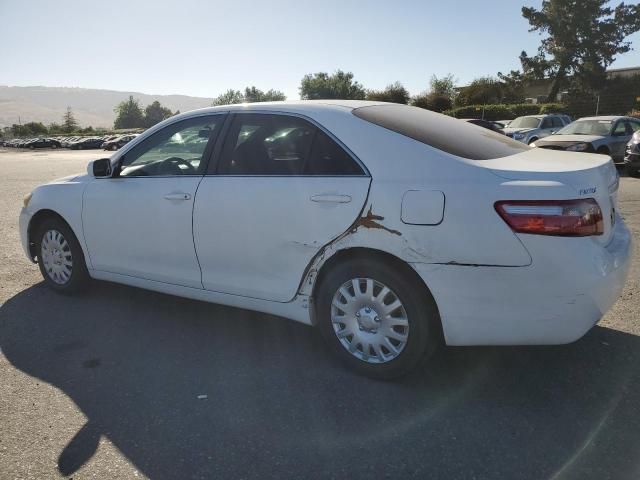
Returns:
(56,257)
(369,320)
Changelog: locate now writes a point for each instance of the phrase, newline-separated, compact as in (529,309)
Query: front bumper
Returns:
(632,159)
(570,285)
(23,225)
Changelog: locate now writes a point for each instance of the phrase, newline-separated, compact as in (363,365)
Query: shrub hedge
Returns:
(505,112)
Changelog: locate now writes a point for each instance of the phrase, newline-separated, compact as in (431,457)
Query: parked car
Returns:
(118,142)
(371,221)
(484,124)
(606,135)
(632,155)
(504,123)
(68,141)
(42,143)
(530,128)
(86,143)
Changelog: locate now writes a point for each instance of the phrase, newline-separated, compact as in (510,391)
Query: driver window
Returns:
(178,149)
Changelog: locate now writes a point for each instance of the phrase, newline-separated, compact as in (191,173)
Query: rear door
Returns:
(282,189)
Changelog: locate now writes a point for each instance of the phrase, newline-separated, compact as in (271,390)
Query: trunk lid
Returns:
(588,175)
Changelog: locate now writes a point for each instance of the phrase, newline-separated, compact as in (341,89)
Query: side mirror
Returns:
(100,168)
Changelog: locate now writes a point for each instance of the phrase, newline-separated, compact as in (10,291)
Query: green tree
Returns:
(229,97)
(250,95)
(445,86)
(35,128)
(55,128)
(69,123)
(155,113)
(442,92)
(394,93)
(435,101)
(322,86)
(18,130)
(582,38)
(481,91)
(513,86)
(30,129)
(128,114)
(253,94)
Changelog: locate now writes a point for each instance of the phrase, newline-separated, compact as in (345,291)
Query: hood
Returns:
(77,178)
(571,138)
(518,130)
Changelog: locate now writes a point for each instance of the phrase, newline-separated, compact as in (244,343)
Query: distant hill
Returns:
(90,106)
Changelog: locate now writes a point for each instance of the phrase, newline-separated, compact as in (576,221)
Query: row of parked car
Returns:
(107,142)
(616,136)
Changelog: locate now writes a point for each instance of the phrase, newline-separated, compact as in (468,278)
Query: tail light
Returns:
(567,218)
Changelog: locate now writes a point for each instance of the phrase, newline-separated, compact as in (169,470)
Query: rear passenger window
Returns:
(329,158)
(265,144)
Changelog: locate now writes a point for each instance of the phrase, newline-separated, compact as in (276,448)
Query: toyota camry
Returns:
(390,228)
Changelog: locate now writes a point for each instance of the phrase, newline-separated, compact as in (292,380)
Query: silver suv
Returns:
(530,128)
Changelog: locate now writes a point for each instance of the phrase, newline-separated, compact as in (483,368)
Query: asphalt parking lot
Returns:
(124,383)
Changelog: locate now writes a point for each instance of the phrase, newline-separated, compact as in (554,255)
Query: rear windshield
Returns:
(448,134)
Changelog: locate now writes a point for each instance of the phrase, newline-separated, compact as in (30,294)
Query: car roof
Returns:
(604,117)
(293,106)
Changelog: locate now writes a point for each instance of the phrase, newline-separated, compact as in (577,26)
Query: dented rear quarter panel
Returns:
(470,232)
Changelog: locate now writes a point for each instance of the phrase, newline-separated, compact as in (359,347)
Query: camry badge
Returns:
(587,191)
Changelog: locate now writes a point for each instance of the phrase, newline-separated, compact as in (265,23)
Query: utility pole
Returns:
(597,105)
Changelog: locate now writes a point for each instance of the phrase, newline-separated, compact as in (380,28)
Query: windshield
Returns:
(525,122)
(587,127)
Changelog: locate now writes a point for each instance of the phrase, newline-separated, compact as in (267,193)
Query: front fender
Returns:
(63,198)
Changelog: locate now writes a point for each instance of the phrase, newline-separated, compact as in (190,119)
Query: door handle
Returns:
(329,198)
(177,196)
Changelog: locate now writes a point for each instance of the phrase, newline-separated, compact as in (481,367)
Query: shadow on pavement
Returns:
(279,406)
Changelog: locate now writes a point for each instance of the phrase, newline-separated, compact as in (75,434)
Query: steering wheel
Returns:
(175,162)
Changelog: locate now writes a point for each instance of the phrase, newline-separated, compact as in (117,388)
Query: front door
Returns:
(139,223)
(283,189)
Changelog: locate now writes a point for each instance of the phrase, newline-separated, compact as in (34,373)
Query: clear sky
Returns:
(202,48)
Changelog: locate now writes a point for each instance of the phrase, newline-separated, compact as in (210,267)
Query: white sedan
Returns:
(390,228)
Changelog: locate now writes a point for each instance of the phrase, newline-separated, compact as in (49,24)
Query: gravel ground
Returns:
(124,383)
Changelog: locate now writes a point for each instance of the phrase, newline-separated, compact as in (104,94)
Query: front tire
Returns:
(60,257)
(376,319)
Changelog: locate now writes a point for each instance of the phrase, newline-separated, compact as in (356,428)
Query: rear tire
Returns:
(60,257)
(372,339)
